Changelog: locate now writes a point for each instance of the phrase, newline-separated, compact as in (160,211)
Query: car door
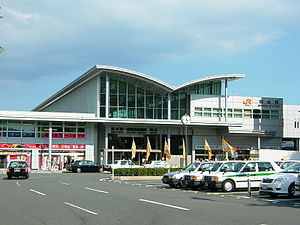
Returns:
(84,166)
(123,164)
(248,172)
(89,166)
(93,167)
(264,169)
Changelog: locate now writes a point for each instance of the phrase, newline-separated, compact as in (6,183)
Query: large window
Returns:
(237,113)
(128,100)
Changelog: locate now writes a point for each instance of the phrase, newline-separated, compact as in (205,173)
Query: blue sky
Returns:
(49,43)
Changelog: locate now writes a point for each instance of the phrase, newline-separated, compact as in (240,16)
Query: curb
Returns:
(136,177)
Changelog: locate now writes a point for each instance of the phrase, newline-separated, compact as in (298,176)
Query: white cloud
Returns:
(57,34)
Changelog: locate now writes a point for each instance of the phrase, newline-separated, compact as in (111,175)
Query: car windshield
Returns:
(232,167)
(295,168)
(192,166)
(215,166)
(205,166)
(130,163)
(18,164)
(285,165)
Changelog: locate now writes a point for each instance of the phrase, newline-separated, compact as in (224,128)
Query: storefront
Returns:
(37,155)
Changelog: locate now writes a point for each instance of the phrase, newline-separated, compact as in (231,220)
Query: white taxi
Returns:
(237,174)
(281,183)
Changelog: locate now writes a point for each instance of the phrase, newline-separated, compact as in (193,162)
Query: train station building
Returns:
(98,115)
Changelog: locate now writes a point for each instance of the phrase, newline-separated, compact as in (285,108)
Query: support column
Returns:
(169,106)
(107,96)
(98,96)
(106,144)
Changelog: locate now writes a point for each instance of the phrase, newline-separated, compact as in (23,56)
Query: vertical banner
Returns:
(166,150)
(207,148)
(133,149)
(183,150)
(149,149)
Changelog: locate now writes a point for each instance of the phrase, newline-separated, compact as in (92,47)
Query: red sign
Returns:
(43,146)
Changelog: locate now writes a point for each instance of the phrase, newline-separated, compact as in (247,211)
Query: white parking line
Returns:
(228,193)
(63,183)
(37,192)
(77,207)
(18,184)
(163,204)
(91,189)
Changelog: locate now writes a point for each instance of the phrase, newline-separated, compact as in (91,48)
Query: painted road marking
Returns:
(63,183)
(18,184)
(37,192)
(229,193)
(163,204)
(83,209)
(91,189)
(278,200)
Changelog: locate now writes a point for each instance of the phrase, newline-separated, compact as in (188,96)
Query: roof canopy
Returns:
(139,77)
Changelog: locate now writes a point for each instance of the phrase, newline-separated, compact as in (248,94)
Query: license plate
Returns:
(17,170)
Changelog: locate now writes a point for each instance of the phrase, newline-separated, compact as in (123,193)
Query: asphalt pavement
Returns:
(92,198)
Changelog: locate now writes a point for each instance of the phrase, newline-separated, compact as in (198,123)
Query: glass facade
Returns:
(130,99)
(127,100)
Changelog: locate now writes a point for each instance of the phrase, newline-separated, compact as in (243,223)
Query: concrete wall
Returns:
(239,102)
(291,116)
(267,154)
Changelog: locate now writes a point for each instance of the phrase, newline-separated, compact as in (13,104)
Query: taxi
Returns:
(240,174)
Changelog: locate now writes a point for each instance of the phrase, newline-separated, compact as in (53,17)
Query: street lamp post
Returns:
(185,119)
(50,147)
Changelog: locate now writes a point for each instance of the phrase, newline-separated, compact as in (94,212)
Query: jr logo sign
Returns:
(247,102)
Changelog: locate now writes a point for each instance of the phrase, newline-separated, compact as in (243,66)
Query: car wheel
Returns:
(228,186)
(292,190)
(78,170)
(101,170)
(27,176)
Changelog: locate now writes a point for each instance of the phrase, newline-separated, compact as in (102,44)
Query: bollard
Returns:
(249,185)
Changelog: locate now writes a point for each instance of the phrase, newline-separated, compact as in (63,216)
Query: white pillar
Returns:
(50,147)
(106,144)
(35,159)
(226,98)
(107,96)
(169,106)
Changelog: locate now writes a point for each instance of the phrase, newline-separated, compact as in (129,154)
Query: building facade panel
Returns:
(82,99)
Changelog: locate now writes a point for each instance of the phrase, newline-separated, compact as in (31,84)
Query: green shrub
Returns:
(143,171)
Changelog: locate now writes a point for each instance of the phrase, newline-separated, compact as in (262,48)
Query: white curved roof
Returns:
(164,85)
(151,81)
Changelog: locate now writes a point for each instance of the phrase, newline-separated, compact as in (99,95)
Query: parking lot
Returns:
(92,198)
